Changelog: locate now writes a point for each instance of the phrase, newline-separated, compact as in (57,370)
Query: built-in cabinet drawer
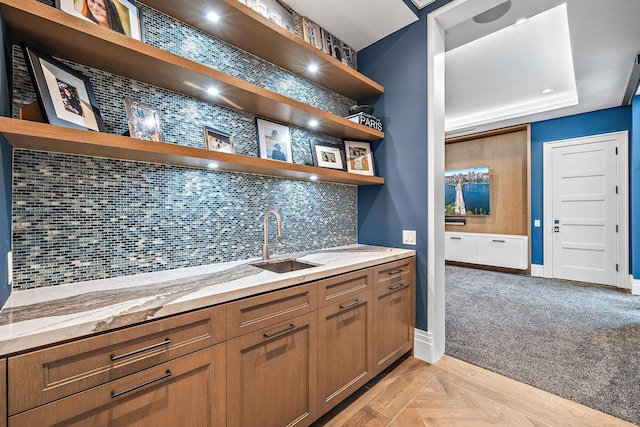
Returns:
(498,250)
(272,375)
(250,314)
(393,272)
(42,376)
(189,390)
(339,287)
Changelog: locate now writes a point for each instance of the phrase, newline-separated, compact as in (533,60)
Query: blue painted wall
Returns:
(399,63)
(603,121)
(634,178)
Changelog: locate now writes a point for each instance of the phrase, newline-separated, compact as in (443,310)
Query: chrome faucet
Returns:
(267,245)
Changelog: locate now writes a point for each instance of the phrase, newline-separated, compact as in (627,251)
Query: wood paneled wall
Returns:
(506,152)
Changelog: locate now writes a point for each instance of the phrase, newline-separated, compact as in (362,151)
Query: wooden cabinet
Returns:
(272,375)
(189,390)
(394,312)
(42,376)
(3,393)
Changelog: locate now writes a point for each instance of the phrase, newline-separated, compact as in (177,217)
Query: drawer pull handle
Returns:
(498,241)
(167,341)
(393,273)
(273,334)
(115,394)
(395,288)
(344,307)
(455,238)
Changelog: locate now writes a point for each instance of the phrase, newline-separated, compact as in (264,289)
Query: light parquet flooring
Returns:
(455,393)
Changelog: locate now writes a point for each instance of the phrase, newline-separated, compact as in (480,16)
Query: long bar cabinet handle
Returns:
(273,334)
(353,304)
(167,341)
(115,394)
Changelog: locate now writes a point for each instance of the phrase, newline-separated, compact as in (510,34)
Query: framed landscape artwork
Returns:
(467,191)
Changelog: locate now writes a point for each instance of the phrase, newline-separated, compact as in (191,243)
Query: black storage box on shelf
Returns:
(367,120)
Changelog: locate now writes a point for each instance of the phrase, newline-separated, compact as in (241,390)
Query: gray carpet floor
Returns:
(575,340)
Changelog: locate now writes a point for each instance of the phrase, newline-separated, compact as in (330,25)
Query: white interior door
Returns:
(585,204)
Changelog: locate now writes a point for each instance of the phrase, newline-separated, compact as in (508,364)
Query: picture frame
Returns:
(121,16)
(144,122)
(65,95)
(274,141)
(328,155)
(217,140)
(359,157)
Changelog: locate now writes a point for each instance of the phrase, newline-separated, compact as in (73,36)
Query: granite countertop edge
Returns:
(44,316)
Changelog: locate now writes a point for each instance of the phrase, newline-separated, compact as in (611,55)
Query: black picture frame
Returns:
(65,95)
(328,155)
(274,141)
(128,20)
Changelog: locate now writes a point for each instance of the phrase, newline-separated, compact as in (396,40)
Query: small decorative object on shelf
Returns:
(328,155)
(274,141)
(217,140)
(327,42)
(121,16)
(355,109)
(65,95)
(367,120)
(273,10)
(144,121)
(359,157)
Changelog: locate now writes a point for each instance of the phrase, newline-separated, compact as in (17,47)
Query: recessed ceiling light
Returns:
(521,21)
(313,178)
(547,90)
(213,17)
(213,165)
(313,68)
(213,91)
(313,123)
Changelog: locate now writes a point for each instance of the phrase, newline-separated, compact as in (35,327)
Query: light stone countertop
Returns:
(42,316)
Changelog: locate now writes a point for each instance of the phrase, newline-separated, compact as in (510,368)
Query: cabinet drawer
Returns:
(251,314)
(460,248)
(341,286)
(393,272)
(191,386)
(43,376)
(509,252)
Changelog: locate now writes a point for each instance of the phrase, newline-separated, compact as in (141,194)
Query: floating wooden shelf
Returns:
(242,27)
(45,137)
(77,40)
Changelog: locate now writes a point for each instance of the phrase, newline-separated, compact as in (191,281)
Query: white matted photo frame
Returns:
(328,155)
(144,121)
(121,16)
(217,140)
(359,157)
(65,95)
(274,141)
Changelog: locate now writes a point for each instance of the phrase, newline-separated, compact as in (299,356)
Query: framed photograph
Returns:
(274,141)
(144,121)
(359,157)
(328,155)
(217,140)
(121,16)
(65,95)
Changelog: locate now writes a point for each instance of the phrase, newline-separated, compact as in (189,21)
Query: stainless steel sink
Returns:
(283,265)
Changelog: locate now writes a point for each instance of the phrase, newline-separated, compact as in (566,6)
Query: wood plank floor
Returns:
(455,393)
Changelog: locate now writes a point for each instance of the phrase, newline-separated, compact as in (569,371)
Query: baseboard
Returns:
(635,288)
(537,270)
(423,348)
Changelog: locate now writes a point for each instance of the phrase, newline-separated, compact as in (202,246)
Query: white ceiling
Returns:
(500,76)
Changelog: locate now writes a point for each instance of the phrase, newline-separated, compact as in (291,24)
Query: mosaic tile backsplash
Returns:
(79,218)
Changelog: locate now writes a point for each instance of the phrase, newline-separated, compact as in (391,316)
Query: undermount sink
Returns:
(283,265)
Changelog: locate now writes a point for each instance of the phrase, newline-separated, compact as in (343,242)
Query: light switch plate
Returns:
(536,223)
(408,237)
(10,268)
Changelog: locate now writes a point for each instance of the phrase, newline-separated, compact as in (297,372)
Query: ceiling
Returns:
(495,72)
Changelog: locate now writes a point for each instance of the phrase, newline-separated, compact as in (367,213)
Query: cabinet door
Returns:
(393,322)
(189,390)
(272,375)
(460,247)
(3,392)
(345,350)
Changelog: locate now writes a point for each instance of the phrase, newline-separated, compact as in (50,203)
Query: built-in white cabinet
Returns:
(498,250)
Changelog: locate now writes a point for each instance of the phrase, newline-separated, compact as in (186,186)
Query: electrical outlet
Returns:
(408,237)
(10,268)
